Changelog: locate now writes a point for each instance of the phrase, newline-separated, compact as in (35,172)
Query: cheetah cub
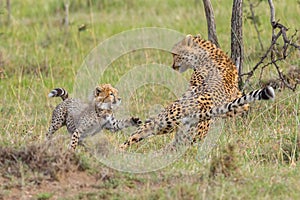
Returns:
(82,119)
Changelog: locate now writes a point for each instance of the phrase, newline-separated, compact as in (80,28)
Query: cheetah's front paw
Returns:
(136,121)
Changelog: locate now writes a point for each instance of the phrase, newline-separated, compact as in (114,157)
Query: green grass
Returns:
(44,196)
(256,156)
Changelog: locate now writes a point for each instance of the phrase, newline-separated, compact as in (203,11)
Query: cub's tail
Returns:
(59,92)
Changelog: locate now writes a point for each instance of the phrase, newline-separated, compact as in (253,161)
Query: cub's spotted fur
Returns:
(83,119)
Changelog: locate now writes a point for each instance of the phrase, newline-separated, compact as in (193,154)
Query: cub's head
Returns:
(186,53)
(106,97)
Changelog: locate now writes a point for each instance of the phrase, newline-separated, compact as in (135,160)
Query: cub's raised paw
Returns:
(136,121)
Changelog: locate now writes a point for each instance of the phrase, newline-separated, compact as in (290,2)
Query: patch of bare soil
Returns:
(44,171)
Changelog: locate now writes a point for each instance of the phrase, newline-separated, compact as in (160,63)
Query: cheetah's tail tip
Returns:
(59,92)
(53,93)
(268,93)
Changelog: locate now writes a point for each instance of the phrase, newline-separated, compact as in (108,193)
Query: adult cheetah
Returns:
(213,87)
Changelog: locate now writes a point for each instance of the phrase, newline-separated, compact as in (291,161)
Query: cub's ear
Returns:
(188,40)
(97,91)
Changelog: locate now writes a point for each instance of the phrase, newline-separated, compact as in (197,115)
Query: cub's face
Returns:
(106,97)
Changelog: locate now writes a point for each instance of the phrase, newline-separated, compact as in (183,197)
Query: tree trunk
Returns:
(237,49)
(211,25)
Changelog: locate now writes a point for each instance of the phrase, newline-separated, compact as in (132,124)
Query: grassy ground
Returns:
(256,156)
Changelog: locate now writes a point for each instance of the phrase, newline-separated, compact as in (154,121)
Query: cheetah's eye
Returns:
(111,94)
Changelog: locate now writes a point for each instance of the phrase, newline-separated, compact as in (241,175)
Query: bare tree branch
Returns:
(254,21)
(281,76)
(272,48)
(211,25)
(272,12)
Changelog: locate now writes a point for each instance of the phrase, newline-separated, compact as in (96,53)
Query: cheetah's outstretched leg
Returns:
(118,124)
(75,140)
(151,127)
(196,117)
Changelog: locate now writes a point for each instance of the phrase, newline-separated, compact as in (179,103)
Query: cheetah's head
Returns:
(186,54)
(106,97)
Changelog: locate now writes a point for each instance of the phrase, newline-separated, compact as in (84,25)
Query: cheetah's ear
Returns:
(97,91)
(188,41)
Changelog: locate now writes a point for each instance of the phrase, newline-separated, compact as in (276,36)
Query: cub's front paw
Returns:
(136,121)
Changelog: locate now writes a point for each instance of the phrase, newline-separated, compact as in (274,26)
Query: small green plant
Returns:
(44,196)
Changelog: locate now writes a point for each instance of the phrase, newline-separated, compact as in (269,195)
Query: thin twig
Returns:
(8,8)
(270,51)
(66,19)
(254,23)
(283,79)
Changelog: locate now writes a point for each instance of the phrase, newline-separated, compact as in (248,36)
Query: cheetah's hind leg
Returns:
(74,140)
(58,120)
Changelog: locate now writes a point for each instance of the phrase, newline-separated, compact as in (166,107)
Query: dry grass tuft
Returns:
(44,159)
(224,162)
